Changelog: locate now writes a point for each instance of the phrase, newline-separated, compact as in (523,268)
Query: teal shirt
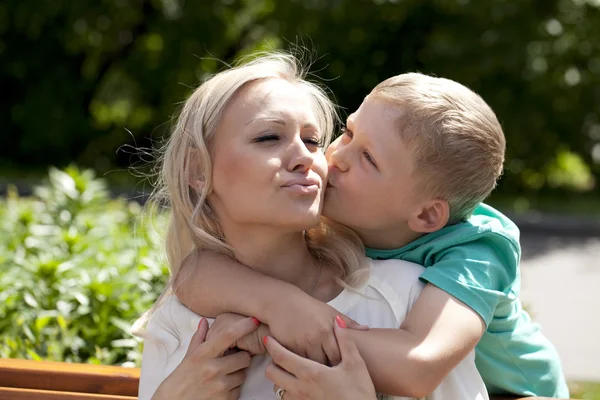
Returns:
(477,262)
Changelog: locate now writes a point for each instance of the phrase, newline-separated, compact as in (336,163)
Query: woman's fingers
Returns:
(348,349)
(287,360)
(198,337)
(233,362)
(317,354)
(332,350)
(235,379)
(280,377)
(218,344)
(352,324)
(234,394)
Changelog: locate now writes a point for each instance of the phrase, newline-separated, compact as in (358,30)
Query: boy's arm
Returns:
(211,284)
(437,334)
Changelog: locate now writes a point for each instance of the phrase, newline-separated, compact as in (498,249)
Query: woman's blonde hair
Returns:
(193,225)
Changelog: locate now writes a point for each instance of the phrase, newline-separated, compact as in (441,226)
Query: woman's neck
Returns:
(283,256)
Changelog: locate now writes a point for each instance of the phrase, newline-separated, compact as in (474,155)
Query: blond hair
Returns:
(193,225)
(455,138)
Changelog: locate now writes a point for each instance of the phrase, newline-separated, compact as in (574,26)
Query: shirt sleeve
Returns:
(166,339)
(158,345)
(479,273)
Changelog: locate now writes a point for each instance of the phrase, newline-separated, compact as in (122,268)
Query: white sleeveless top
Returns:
(383,302)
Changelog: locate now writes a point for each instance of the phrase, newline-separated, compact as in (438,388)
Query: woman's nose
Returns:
(301,158)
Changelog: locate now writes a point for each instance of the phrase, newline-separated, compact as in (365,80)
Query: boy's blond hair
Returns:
(455,138)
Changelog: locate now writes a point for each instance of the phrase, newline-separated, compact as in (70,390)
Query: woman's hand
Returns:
(305,379)
(303,325)
(205,372)
(252,343)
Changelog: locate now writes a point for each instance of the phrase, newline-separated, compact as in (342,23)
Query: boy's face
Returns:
(371,189)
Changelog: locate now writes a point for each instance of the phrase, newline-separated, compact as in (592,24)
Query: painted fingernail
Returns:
(265,339)
(340,322)
(256,321)
(200,323)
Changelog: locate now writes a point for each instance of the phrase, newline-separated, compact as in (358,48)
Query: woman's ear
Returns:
(432,216)
(195,178)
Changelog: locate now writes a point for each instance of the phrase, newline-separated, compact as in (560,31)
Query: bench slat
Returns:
(68,377)
(47,380)
(34,394)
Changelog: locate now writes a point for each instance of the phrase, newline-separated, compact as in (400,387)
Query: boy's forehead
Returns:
(375,112)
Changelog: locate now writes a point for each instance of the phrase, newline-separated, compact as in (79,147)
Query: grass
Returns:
(585,390)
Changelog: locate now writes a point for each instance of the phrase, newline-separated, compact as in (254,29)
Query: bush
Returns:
(77,269)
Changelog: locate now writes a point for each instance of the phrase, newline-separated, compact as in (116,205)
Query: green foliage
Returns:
(585,390)
(79,75)
(77,269)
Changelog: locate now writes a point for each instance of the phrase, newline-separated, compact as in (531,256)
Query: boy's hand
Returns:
(251,343)
(304,326)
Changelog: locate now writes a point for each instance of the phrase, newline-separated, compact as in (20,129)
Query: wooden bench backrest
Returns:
(46,380)
(64,377)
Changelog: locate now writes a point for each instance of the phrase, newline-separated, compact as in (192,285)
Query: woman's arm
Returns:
(211,284)
(438,332)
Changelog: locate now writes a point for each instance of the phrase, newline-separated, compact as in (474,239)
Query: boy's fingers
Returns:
(218,344)
(291,362)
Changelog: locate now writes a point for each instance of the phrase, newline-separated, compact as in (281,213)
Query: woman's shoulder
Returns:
(395,271)
(173,316)
(396,280)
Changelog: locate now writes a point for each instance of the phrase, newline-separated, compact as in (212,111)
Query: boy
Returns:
(408,175)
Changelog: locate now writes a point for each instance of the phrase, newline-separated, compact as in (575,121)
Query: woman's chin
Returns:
(302,223)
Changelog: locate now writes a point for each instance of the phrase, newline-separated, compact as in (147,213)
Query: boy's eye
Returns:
(347,132)
(370,159)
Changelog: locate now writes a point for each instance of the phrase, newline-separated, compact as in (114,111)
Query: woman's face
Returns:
(268,167)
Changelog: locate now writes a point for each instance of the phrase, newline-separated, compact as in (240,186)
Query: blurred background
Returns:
(84,85)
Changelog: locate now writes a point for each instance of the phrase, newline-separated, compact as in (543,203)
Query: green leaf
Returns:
(30,300)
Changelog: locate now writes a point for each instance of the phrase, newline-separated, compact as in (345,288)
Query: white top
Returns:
(383,302)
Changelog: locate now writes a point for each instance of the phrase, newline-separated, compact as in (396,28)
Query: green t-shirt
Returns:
(477,262)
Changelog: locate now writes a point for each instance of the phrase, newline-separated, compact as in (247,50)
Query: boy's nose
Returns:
(338,160)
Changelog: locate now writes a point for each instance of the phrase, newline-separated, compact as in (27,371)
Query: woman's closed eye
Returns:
(269,137)
(314,142)
(272,137)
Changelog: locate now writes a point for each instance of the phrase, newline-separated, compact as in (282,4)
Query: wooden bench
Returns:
(46,380)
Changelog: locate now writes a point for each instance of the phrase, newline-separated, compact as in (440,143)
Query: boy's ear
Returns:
(194,169)
(431,217)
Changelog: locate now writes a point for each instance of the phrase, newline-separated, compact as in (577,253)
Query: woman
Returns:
(245,175)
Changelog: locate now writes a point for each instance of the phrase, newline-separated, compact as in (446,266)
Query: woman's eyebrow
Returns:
(268,119)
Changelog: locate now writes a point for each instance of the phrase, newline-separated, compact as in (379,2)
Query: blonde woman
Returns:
(245,174)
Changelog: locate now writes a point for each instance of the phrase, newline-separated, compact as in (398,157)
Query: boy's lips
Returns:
(331,176)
